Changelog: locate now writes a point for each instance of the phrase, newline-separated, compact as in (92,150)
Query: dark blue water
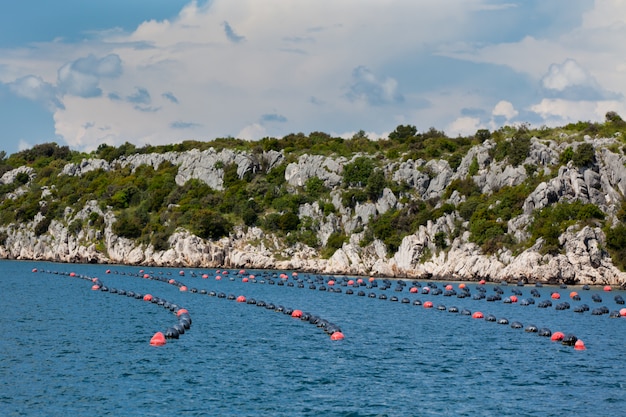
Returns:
(66,350)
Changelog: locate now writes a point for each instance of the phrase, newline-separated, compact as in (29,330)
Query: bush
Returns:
(584,156)
(358,172)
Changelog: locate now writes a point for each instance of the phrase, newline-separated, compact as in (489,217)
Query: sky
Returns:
(152,72)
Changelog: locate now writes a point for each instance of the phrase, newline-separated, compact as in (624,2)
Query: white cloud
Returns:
(561,76)
(464,126)
(253,69)
(560,111)
(36,89)
(504,108)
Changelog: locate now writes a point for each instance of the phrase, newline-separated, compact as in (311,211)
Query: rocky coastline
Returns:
(583,259)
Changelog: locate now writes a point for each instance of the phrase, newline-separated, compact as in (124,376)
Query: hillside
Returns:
(514,204)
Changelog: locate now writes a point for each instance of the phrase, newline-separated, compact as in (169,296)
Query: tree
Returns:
(402,133)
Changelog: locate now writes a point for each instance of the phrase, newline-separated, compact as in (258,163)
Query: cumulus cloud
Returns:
(368,88)
(560,111)
(335,66)
(82,76)
(463,126)
(571,81)
(36,89)
(505,109)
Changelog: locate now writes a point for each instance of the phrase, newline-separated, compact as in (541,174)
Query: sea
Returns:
(68,348)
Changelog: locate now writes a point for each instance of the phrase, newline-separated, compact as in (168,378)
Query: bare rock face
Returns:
(10,176)
(85,166)
(207,166)
(308,166)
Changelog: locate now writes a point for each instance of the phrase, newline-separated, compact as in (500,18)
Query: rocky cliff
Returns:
(583,259)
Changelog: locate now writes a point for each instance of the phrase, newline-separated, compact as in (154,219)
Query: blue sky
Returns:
(82,73)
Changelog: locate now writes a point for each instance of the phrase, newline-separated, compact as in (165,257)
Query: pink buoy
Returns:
(579,345)
(428,304)
(555,296)
(147,297)
(622,312)
(557,336)
(158,339)
(337,336)
(607,288)
(181,273)
(478,315)
(241,299)
(413,290)
(183,288)
(296,314)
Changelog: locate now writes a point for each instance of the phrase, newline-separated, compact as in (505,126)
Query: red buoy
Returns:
(372,279)
(204,276)
(296,314)
(146,276)
(359,281)
(294,274)
(181,311)
(108,271)
(478,315)
(241,299)
(557,336)
(413,290)
(428,304)
(95,287)
(622,312)
(147,297)
(337,336)
(449,287)
(242,271)
(171,281)
(573,294)
(350,282)
(183,288)
(461,286)
(218,277)
(555,295)
(482,282)
(331,283)
(158,339)
(513,298)
(579,345)
(181,273)
(72,274)
(607,288)
(34,269)
(244,279)
(94,279)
